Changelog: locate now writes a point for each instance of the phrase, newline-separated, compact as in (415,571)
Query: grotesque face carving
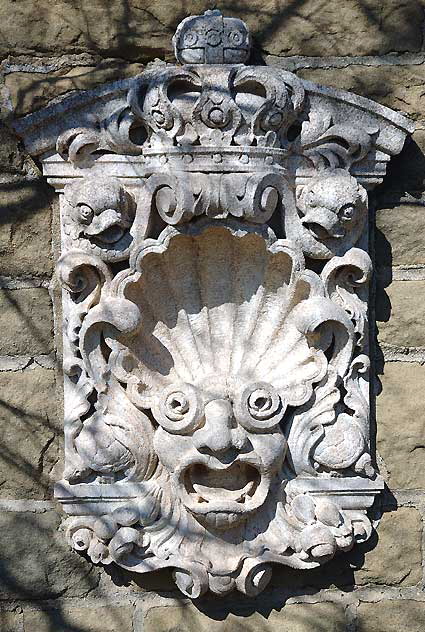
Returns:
(332,213)
(222,444)
(101,213)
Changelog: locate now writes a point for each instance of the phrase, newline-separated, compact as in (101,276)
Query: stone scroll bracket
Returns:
(215,268)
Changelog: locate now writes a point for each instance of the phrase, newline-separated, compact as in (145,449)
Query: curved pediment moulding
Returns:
(215,275)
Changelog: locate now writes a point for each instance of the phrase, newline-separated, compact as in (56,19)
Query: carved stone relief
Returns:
(215,276)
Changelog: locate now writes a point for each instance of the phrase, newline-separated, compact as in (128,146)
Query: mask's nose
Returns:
(219,432)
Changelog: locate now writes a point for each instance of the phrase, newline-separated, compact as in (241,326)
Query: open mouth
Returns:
(321,233)
(222,497)
(108,227)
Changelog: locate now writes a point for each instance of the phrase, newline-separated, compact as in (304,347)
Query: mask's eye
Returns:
(347,212)
(179,409)
(86,214)
(259,407)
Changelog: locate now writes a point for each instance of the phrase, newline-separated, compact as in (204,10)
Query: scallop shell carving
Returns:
(226,302)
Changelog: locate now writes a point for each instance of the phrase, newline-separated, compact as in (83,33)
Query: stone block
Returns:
(100,619)
(396,559)
(11,158)
(37,563)
(402,321)
(26,322)
(319,617)
(10,621)
(377,561)
(401,424)
(29,433)
(30,91)
(397,87)
(400,237)
(141,30)
(25,228)
(392,616)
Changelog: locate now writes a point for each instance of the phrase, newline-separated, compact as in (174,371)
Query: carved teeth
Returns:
(207,494)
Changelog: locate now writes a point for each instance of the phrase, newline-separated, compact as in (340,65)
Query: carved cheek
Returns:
(270,448)
(171,448)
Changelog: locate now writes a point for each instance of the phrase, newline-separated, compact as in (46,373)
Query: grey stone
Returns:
(83,619)
(400,241)
(30,91)
(397,87)
(37,563)
(26,321)
(319,617)
(25,228)
(401,424)
(10,621)
(396,560)
(392,616)
(402,323)
(29,433)
(140,31)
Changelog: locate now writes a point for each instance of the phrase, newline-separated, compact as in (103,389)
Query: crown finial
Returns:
(211,39)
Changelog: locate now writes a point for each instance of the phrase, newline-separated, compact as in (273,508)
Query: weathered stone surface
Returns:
(397,87)
(406,172)
(29,442)
(26,321)
(390,562)
(230,346)
(400,237)
(403,322)
(319,617)
(29,91)
(101,619)
(37,563)
(11,157)
(25,227)
(392,616)
(378,561)
(401,424)
(140,30)
(9,621)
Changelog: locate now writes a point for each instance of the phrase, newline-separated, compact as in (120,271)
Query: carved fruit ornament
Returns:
(215,276)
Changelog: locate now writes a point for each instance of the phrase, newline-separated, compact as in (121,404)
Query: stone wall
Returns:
(48,49)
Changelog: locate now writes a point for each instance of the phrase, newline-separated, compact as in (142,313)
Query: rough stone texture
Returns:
(138,31)
(29,91)
(400,238)
(323,617)
(375,562)
(383,564)
(403,325)
(392,616)
(29,433)
(26,210)
(106,619)
(401,424)
(26,321)
(47,567)
(9,621)
(141,30)
(397,87)
(405,173)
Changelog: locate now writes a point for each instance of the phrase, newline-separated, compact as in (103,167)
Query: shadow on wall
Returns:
(35,562)
(124,32)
